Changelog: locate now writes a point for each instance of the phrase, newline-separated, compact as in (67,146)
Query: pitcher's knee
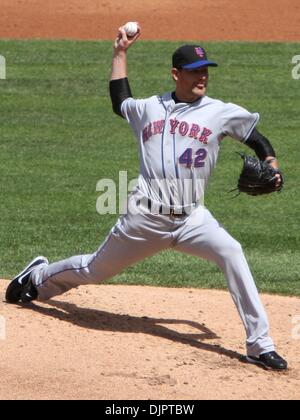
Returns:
(230,249)
(235,246)
(98,272)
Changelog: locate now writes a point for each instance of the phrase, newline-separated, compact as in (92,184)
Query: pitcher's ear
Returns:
(175,74)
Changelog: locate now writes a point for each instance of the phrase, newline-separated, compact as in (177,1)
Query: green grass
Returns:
(59,137)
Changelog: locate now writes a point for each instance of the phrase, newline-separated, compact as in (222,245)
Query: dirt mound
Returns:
(261,20)
(127,342)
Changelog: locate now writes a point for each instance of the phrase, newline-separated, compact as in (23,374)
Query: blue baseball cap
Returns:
(189,57)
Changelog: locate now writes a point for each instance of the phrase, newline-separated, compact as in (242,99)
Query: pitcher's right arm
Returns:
(119,85)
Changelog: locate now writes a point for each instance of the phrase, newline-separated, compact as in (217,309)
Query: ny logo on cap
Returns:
(200,51)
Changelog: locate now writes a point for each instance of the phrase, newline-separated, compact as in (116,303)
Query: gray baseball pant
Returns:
(137,236)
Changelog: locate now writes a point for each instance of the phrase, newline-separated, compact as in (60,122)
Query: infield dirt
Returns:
(129,342)
(255,20)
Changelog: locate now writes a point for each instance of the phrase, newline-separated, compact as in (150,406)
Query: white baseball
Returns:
(131,28)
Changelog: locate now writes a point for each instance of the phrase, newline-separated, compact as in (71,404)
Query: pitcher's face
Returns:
(190,84)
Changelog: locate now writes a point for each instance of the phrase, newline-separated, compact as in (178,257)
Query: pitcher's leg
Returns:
(122,248)
(212,242)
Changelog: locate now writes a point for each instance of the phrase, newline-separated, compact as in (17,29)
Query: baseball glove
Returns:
(258,177)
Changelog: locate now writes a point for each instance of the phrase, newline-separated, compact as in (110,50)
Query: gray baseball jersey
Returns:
(179,143)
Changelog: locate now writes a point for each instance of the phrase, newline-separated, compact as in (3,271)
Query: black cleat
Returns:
(269,361)
(20,288)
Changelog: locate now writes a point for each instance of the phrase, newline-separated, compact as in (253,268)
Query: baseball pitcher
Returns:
(179,134)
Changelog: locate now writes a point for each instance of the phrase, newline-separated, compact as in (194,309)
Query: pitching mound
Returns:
(127,342)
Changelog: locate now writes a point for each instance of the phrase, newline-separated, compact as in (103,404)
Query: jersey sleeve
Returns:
(133,110)
(237,122)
